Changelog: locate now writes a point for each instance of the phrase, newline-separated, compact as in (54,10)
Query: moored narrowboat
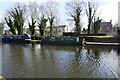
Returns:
(61,40)
(25,38)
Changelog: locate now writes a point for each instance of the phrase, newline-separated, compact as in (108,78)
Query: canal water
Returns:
(47,61)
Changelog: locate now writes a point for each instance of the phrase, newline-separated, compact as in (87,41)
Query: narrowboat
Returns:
(61,40)
(25,38)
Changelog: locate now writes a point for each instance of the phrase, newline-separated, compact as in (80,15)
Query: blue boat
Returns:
(61,41)
(16,39)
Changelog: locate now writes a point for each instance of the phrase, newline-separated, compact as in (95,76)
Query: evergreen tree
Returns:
(10,23)
(42,26)
(32,26)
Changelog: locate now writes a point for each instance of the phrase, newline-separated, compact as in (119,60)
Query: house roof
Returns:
(63,26)
(106,24)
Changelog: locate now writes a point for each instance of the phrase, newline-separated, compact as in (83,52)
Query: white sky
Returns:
(108,10)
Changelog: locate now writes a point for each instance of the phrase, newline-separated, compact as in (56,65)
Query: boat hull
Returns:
(61,41)
(15,39)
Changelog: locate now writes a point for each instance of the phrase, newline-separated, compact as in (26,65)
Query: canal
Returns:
(47,61)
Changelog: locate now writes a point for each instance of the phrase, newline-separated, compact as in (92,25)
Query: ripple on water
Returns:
(59,61)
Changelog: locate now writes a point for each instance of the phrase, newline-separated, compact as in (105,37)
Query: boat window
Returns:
(77,39)
(52,38)
(61,38)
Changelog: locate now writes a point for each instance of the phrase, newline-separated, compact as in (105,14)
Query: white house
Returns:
(58,30)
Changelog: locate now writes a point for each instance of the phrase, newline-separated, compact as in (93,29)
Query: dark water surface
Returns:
(47,61)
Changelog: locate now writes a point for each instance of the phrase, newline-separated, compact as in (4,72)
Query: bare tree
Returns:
(91,10)
(33,10)
(52,13)
(96,25)
(33,14)
(75,9)
(38,14)
(42,25)
(42,18)
(46,11)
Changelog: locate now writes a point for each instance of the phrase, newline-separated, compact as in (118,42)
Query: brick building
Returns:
(106,27)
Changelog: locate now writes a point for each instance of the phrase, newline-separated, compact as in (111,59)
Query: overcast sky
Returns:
(108,10)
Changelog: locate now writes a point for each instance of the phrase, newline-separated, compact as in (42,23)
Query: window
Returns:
(52,38)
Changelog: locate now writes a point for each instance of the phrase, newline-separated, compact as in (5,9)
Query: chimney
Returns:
(111,21)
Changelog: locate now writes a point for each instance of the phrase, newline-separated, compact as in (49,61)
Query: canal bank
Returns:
(103,40)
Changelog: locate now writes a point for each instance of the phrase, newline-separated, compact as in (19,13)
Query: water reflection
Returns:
(40,61)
